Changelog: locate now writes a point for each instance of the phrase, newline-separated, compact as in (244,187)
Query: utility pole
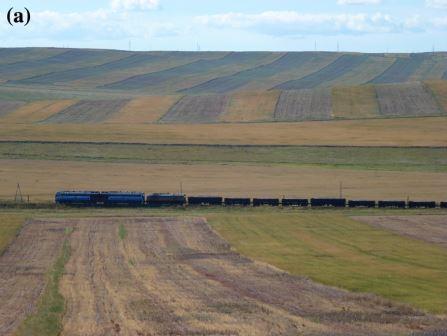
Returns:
(315,45)
(338,46)
(18,196)
(130,45)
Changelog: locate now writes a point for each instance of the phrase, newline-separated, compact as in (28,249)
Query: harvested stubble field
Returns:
(355,102)
(23,271)
(406,132)
(439,89)
(412,99)
(165,276)
(7,107)
(304,105)
(36,111)
(41,179)
(432,229)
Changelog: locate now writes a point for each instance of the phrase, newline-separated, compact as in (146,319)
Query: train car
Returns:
(205,200)
(328,202)
(392,204)
(265,201)
(122,198)
(443,205)
(295,202)
(163,200)
(426,205)
(362,204)
(76,198)
(231,201)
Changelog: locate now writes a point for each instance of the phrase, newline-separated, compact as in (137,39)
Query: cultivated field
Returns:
(7,107)
(338,68)
(87,111)
(23,271)
(196,109)
(411,99)
(304,105)
(402,69)
(164,276)
(41,179)
(432,229)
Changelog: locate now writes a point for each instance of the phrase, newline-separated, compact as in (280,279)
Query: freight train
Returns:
(139,199)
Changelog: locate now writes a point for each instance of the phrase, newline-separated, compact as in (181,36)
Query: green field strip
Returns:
(339,67)
(287,62)
(364,158)
(406,100)
(195,68)
(338,251)
(402,69)
(374,66)
(10,225)
(73,58)
(355,102)
(87,111)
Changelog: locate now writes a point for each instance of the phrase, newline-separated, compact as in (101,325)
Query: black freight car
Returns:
(164,200)
(205,200)
(426,205)
(231,201)
(393,204)
(443,205)
(362,204)
(295,202)
(265,201)
(328,202)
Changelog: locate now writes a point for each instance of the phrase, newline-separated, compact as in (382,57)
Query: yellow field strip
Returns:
(144,110)
(251,106)
(37,111)
(355,102)
(430,131)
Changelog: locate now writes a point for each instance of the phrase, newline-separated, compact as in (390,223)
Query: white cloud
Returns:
(295,23)
(126,5)
(359,2)
(439,4)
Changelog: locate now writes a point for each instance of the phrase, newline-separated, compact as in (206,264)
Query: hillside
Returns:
(54,86)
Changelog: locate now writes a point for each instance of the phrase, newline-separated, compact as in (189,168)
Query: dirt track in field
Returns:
(23,270)
(177,277)
(432,229)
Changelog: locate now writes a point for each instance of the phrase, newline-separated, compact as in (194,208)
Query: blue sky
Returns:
(280,25)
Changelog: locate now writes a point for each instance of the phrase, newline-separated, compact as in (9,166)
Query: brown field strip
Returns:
(144,110)
(409,99)
(37,111)
(251,106)
(425,132)
(355,102)
(23,270)
(432,229)
(41,179)
(175,276)
(7,107)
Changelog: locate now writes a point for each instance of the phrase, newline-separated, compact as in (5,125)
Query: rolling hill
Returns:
(51,85)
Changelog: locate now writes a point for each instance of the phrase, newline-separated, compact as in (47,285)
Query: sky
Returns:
(230,25)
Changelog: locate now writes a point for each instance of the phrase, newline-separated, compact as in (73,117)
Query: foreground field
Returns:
(432,229)
(406,132)
(40,179)
(164,276)
(338,251)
